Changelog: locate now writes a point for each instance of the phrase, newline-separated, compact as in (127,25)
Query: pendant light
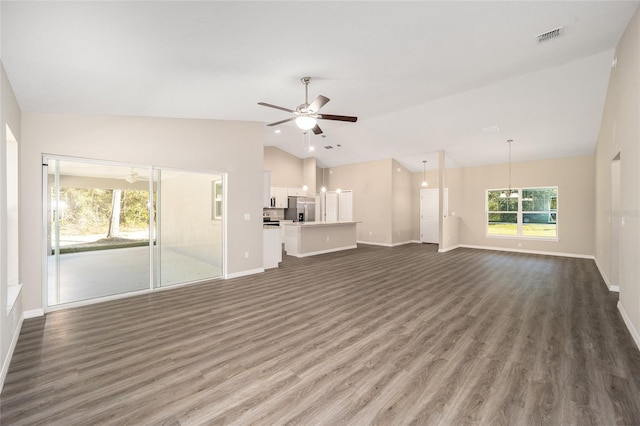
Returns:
(424,173)
(511,194)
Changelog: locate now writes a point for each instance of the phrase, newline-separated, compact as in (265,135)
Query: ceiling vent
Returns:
(550,35)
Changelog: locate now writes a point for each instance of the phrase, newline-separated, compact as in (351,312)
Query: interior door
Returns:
(429,216)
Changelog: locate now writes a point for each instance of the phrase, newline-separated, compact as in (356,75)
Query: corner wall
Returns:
(401,202)
(372,184)
(620,132)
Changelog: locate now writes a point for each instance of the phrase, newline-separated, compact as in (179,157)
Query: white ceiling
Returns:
(421,76)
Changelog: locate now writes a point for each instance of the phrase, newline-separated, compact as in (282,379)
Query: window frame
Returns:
(520,214)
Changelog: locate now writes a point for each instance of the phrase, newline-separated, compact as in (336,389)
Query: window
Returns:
(527,212)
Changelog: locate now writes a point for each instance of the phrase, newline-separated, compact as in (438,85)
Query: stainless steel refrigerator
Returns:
(301,209)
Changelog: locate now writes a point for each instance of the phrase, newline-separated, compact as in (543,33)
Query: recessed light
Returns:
(277,131)
(311,149)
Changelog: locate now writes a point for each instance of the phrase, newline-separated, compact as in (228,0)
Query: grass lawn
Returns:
(528,229)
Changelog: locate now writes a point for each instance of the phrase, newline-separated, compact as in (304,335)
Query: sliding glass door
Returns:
(98,233)
(99,219)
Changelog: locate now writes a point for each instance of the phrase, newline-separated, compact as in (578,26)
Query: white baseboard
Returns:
(33,313)
(402,243)
(544,253)
(449,248)
(373,243)
(244,273)
(605,278)
(313,253)
(12,347)
(629,324)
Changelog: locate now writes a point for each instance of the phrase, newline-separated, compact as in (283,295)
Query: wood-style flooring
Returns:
(375,335)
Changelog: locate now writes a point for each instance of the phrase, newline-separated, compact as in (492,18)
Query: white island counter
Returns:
(303,239)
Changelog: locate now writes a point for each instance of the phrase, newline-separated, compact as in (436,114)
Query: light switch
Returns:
(247,216)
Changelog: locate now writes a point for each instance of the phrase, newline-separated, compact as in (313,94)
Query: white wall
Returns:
(10,317)
(401,203)
(371,183)
(575,179)
(620,132)
(231,147)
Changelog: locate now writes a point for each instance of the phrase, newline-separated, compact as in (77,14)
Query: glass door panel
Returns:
(98,232)
(189,227)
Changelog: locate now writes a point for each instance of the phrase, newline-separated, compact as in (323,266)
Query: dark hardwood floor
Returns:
(374,335)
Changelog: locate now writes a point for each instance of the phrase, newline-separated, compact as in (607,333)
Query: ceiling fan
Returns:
(306,115)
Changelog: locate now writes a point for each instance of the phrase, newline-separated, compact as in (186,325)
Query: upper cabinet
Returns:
(280,195)
(296,192)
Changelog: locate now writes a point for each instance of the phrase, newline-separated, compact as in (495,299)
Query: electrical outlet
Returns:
(247,216)
(327,238)
(246,254)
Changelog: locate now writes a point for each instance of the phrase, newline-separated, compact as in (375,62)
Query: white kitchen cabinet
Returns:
(281,197)
(266,189)
(296,192)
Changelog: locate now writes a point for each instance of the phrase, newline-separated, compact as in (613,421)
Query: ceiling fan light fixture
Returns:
(306,122)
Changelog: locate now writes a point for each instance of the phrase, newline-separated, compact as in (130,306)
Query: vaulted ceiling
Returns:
(421,76)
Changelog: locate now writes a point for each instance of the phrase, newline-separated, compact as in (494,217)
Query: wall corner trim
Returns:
(243,273)
(444,250)
(629,324)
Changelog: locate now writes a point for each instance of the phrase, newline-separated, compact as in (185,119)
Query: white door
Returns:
(345,206)
(429,216)
(331,205)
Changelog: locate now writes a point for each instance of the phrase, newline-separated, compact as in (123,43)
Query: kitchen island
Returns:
(302,239)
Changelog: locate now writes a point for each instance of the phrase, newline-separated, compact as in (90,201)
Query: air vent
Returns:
(328,147)
(550,35)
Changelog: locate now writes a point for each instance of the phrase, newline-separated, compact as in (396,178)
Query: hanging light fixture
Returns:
(511,194)
(424,173)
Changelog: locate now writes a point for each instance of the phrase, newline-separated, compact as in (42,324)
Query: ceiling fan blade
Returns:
(338,117)
(316,130)
(275,106)
(318,103)
(281,121)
